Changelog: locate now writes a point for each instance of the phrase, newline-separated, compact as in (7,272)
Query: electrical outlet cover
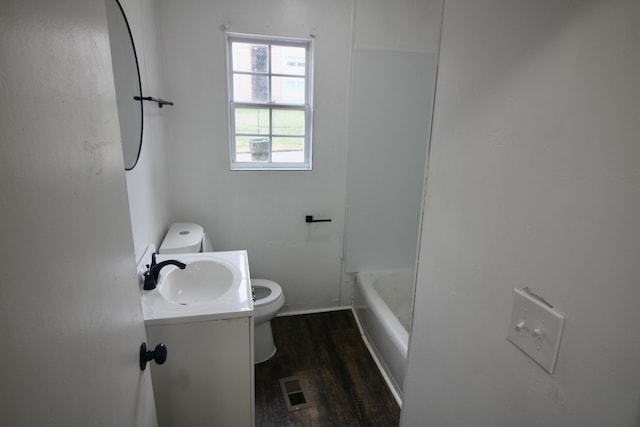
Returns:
(535,328)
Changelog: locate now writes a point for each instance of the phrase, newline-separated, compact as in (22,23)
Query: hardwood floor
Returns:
(339,377)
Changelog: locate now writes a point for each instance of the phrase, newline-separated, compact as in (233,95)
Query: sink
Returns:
(201,282)
(213,285)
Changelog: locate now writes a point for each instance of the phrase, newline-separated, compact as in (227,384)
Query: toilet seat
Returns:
(276,291)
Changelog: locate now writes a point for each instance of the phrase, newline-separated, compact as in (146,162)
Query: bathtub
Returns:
(383,305)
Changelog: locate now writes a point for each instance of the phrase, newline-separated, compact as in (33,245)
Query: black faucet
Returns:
(153,271)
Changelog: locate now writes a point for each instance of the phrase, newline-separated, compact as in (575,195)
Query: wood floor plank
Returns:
(339,377)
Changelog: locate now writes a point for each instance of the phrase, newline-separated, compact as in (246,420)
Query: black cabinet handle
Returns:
(159,354)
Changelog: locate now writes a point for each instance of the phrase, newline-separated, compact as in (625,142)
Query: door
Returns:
(70,316)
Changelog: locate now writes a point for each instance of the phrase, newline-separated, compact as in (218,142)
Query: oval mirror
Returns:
(126,75)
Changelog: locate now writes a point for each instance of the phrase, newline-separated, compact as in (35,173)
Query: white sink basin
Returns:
(214,285)
(201,282)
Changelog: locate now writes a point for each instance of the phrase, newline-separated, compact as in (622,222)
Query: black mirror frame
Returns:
(135,54)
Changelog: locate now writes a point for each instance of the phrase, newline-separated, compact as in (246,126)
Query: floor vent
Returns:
(293,394)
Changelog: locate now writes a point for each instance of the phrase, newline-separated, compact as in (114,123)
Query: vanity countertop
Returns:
(235,302)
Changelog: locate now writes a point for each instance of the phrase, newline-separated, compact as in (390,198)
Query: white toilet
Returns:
(268,298)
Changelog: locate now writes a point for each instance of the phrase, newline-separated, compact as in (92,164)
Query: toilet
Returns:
(268,298)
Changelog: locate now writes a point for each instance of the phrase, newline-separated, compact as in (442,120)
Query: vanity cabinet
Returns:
(208,378)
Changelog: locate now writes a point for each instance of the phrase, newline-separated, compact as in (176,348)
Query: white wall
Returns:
(262,212)
(400,25)
(147,182)
(533,180)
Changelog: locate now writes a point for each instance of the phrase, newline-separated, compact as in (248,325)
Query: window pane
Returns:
(252,120)
(288,122)
(288,60)
(252,149)
(288,150)
(270,98)
(242,144)
(287,90)
(250,57)
(250,88)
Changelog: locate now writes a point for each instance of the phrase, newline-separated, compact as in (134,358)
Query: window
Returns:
(270,102)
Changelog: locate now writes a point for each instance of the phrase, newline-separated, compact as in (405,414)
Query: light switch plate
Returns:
(535,328)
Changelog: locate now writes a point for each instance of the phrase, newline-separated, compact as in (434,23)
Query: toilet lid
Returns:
(276,291)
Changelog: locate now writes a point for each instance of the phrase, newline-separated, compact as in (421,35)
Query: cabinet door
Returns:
(208,377)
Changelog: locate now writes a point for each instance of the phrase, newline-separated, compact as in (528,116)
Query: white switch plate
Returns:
(535,328)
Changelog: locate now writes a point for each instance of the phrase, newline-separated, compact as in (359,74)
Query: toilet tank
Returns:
(182,237)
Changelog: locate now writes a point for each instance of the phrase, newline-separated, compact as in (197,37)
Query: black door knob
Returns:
(159,354)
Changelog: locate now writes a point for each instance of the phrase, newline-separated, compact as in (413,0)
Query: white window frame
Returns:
(307,107)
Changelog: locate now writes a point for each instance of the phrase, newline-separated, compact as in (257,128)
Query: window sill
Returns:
(253,167)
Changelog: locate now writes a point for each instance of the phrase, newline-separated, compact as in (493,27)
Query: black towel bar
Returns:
(160,102)
(309,218)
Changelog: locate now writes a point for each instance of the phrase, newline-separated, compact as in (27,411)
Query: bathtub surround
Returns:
(394,56)
(533,181)
(394,61)
(392,94)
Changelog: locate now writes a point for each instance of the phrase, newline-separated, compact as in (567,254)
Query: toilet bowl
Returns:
(268,298)
(267,302)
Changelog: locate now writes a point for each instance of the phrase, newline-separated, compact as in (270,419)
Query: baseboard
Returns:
(284,312)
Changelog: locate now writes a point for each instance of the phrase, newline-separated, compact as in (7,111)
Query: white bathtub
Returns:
(383,304)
